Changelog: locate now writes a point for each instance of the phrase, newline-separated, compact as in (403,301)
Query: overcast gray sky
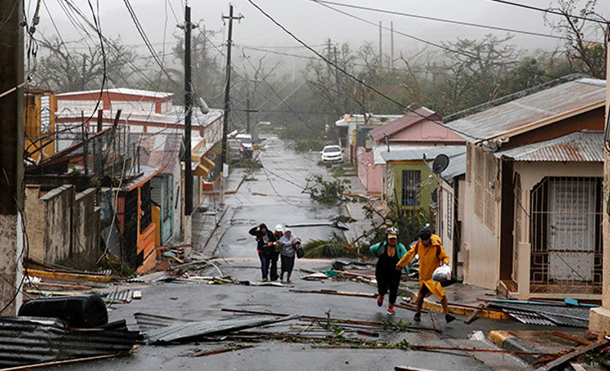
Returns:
(311,22)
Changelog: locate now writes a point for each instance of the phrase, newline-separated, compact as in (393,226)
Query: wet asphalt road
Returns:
(274,195)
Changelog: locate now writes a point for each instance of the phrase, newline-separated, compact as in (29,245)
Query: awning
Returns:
(204,167)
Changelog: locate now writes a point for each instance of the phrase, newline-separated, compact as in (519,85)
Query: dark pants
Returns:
(264,264)
(273,257)
(388,280)
(287,263)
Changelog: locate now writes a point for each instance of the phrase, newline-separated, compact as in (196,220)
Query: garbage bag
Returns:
(442,274)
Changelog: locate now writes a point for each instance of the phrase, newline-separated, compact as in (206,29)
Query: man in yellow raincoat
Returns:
(431,256)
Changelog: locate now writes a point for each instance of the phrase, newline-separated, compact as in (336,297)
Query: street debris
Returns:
(229,348)
(573,354)
(196,329)
(545,313)
(49,340)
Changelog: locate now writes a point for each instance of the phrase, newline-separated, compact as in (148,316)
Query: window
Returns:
(411,186)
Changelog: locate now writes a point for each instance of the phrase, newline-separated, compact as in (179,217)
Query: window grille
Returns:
(411,187)
(566,234)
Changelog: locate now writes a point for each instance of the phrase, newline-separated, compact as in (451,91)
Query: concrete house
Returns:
(354,130)
(532,196)
(421,128)
(408,178)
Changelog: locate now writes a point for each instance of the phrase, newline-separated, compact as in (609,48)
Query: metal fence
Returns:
(566,235)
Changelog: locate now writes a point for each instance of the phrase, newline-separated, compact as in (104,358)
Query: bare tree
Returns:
(71,66)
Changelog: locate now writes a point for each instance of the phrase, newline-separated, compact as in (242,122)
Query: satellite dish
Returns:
(434,195)
(440,164)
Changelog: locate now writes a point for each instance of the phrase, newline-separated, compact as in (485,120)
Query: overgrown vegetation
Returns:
(408,222)
(334,247)
(327,192)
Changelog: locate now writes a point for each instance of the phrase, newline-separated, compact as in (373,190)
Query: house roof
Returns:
(373,119)
(404,122)
(158,149)
(457,167)
(529,109)
(122,91)
(418,153)
(582,146)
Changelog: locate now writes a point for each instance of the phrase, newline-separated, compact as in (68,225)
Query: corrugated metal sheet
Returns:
(418,154)
(521,111)
(529,318)
(457,167)
(30,340)
(147,322)
(184,331)
(124,296)
(560,315)
(583,146)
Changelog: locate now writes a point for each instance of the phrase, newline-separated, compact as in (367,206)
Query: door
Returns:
(571,229)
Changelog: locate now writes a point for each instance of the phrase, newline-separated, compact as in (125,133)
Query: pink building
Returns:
(417,129)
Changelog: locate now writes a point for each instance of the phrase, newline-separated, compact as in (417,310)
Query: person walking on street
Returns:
(275,254)
(388,277)
(431,256)
(288,244)
(264,244)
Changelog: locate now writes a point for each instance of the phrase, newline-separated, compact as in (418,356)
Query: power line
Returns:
(550,11)
(440,19)
(140,30)
(402,106)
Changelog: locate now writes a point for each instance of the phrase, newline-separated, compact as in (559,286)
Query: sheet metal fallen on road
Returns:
(33,340)
(147,322)
(558,314)
(185,331)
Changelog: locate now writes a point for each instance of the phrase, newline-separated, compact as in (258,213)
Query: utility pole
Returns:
(225,124)
(380,46)
(11,156)
(392,45)
(248,112)
(188,110)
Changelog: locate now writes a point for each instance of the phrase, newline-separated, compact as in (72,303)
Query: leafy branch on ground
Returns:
(327,192)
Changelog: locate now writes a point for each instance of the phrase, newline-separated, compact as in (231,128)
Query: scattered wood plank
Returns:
(409,368)
(69,276)
(64,362)
(426,347)
(573,354)
(410,307)
(435,322)
(575,339)
(58,285)
(368,333)
(577,367)
(474,314)
(219,351)
(333,292)
(325,319)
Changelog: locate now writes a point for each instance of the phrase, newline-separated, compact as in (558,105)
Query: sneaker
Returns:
(265,279)
(379,300)
(417,317)
(391,311)
(449,318)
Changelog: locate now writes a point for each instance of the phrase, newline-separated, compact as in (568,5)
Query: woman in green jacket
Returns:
(388,277)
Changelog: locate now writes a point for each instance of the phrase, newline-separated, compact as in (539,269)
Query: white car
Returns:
(246,140)
(332,154)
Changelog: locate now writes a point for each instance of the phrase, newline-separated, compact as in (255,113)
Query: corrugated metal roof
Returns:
(558,314)
(184,331)
(583,146)
(527,109)
(403,122)
(418,154)
(457,167)
(31,340)
(123,91)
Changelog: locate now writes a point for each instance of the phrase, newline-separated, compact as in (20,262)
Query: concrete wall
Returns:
(370,175)
(11,268)
(600,317)
(480,245)
(58,237)
(35,212)
(63,226)
(85,226)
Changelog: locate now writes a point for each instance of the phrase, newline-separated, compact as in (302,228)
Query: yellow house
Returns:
(39,124)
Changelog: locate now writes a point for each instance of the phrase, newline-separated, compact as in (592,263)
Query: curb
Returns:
(510,342)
